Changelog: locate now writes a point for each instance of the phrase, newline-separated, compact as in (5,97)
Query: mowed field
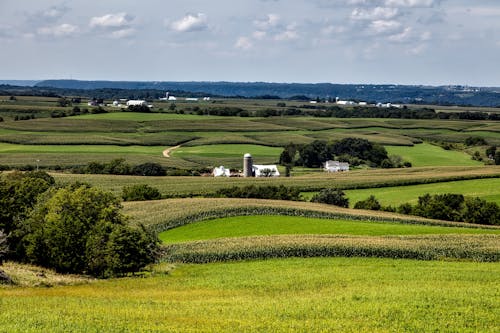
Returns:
(241,226)
(487,189)
(278,295)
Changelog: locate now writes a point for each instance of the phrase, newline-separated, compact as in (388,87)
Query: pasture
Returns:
(262,225)
(430,155)
(315,294)
(487,189)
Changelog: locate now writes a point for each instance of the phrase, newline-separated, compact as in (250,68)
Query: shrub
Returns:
(371,203)
(3,246)
(140,193)
(331,197)
(260,192)
(149,169)
(475,141)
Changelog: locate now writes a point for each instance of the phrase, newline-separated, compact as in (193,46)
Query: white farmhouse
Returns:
(260,170)
(221,172)
(336,166)
(137,102)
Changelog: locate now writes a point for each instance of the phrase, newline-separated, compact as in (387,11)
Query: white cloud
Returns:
(403,36)
(54,13)
(243,43)
(287,35)
(384,26)
(111,21)
(62,30)
(191,22)
(270,21)
(411,3)
(259,34)
(122,33)
(377,13)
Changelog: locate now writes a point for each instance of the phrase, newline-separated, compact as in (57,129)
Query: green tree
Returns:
(70,230)
(370,203)
(497,158)
(140,192)
(4,248)
(331,196)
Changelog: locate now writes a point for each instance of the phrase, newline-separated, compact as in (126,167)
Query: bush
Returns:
(475,141)
(4,248)
(140,193)
(331,197)
(371,203)
(149,169)
(260,192)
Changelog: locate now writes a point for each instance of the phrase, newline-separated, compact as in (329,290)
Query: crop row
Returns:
(484,248)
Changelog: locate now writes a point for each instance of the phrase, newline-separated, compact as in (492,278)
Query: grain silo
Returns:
(247,165)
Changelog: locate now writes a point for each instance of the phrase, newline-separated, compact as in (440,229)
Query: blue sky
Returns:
(434,42)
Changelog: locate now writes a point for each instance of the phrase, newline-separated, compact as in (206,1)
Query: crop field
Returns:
(242,226)
(430,155)
(181,186)
(278,295)
(487,189)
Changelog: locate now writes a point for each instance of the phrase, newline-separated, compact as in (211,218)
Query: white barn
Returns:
(221,172)
(336,166)
(261,170)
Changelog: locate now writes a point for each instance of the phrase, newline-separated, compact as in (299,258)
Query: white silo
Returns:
(247,165)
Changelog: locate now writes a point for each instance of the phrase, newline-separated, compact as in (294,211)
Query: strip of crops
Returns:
(162,215)
(195,186)
(483,248)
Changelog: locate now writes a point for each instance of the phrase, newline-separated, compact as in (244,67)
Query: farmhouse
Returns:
(137,102)
(336,166)
(221,172)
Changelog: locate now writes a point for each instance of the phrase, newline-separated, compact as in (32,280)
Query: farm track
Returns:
(166,152)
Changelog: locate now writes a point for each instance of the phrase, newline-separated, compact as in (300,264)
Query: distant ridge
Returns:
(440,95)
(20,83)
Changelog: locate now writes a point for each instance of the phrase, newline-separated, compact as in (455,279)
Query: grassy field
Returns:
(429,155)
(241,226)
(487,189)
(313,295)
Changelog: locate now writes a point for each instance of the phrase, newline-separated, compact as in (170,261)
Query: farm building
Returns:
(336,166)
(139,102)
(221,172)
(260,170)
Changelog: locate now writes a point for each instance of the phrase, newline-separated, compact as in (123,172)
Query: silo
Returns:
(247,165)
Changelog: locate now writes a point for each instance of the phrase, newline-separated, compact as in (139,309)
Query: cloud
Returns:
(290,33)
(122,33)
(243,43)
(384,27)
(54,13)
(62,30)
(269,22)
(191,22)
(377,13)
(412,3)
(111,21)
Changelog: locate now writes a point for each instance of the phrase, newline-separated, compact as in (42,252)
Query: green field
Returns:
(241,226)
(487,189)
(429,155)
(6,148)
(313,295)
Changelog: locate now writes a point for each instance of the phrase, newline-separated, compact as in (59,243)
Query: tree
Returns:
(331,196)
(140,193)
(370,203)
(149,169)
(497,158)
(71,227)
(480,211)
(4,248)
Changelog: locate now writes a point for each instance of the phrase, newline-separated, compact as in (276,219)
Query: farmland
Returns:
(315,294)
(234,264)
(487,189)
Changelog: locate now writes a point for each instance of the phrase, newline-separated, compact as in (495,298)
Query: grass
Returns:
(313,295)
(429,155)
(487,189)
(241,226)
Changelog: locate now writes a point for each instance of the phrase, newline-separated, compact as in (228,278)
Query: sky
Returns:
(428,42)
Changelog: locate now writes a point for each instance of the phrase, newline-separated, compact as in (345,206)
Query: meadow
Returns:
(487,189)
(242,226)
(314,295)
